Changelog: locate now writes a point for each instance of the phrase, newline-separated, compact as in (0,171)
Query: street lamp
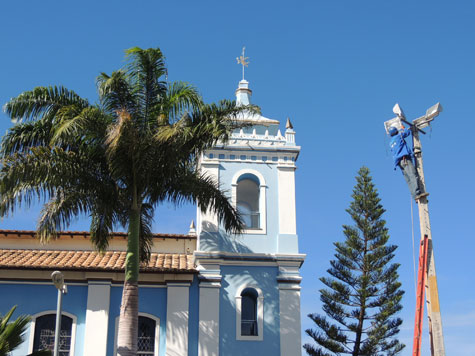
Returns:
(418,123)
(427,276)
(58,281)
(430,115)
(398,111)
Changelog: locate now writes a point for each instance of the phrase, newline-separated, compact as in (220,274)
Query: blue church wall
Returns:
(32,299)
(235,277)
(247,243)
(152,300)
(193,321)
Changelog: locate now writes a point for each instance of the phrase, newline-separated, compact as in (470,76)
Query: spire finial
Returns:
(192,230)
(289,133)
(243,61)
(288,124)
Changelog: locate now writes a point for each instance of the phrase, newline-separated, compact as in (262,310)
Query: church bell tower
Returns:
(257,166)
(249,299)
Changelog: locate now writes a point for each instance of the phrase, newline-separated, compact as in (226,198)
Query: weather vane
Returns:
(243,61)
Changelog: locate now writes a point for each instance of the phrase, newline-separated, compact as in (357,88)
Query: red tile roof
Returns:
(91,260)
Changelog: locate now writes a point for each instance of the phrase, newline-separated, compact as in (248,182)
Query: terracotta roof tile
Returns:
(91,260)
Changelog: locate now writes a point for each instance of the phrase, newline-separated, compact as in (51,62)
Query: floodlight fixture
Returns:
(430,115)
(394,122)
(434,110)
(398,111)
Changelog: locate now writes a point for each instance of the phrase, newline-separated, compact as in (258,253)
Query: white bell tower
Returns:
(257,168)
(249,284)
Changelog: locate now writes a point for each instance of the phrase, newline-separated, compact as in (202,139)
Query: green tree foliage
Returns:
(362,293)
(12,332)
(116,160)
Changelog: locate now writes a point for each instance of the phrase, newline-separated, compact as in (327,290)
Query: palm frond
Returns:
(70,119)
(23,136)
(145,69)
(102,223)
(180,97)
(120,131)
(42,101)
(146,241)
(43,172)
(115,92)
(84,126)
(206,127)
(188,185)
(27,177)
(12,332)
(59,211)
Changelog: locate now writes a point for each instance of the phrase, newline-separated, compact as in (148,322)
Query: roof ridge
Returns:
(86,233)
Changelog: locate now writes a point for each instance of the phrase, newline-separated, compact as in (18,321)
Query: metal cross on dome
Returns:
(243,61)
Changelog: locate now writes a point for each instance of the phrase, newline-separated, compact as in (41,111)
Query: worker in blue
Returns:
(402,155)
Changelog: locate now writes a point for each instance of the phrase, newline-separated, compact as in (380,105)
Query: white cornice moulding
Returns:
(205,257)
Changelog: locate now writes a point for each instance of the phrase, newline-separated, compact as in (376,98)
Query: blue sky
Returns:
(336,68)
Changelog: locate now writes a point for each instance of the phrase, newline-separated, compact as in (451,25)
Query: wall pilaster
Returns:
(210,286)
(178,301)
(97,318)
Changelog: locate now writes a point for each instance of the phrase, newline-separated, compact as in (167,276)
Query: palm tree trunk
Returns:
(129,309)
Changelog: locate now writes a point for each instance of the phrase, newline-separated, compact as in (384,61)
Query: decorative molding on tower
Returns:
(265,132)
(289,133)
(243,97)
(243,93)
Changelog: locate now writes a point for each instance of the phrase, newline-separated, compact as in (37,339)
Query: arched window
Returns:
(248,201)
(44,329)
(249,312)
(249,197)
(146,336)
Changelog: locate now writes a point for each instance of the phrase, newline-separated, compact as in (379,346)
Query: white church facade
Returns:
(205,293)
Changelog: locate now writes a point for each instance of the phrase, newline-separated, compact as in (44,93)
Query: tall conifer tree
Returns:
(362,293)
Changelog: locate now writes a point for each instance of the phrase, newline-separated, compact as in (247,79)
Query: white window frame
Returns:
(260,315)
(262,230)
(46,312)
(156,345)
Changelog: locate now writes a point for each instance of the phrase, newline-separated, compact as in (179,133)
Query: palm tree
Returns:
(12,333)
(116,160)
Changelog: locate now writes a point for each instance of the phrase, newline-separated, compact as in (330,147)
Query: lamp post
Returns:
(430,285)
(58,281)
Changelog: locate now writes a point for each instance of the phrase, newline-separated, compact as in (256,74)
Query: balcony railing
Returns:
(248,327)
(251,220)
